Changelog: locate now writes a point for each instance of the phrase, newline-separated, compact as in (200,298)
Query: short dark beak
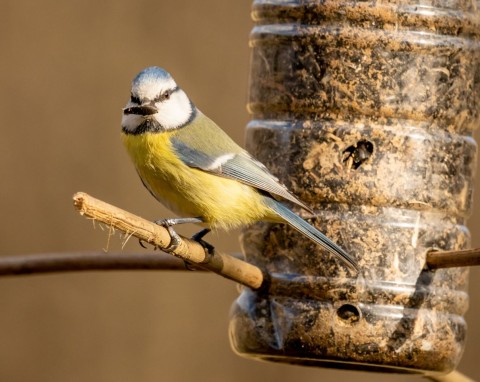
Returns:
(141,110)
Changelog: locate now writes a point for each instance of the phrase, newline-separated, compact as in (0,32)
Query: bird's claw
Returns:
(165,222)
(174,239)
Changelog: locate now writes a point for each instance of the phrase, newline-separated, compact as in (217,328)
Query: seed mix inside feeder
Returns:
(365,110)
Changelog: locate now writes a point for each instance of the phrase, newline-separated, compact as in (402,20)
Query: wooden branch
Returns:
(87,261)
(228,266)
(450,259)
(188,250)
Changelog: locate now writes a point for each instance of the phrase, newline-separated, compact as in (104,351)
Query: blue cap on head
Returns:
(151,73)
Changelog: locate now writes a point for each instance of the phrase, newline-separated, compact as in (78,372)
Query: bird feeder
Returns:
(365,110)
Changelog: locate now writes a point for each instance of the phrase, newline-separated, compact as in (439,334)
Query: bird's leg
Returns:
(168,223)
(175,221)
(175,239)
(200,235)
(199,238)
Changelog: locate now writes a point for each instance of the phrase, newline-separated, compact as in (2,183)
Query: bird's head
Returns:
(156,104)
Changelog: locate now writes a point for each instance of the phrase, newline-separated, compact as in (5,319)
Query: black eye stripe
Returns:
(159,98)
(162,97)
(165,95)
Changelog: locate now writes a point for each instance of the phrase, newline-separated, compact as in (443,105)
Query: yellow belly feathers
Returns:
(189,192)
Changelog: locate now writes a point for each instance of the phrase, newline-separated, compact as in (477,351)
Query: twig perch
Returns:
(226,265)
(193,252)
(188,250)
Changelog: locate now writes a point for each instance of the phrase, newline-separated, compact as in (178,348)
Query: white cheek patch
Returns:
(174,112)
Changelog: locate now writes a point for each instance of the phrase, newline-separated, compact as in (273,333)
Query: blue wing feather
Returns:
(239,166)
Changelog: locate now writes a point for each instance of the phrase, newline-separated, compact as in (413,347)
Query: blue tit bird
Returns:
(194,168)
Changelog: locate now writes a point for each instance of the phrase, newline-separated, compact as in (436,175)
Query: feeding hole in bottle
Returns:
(356,154)
(349,314)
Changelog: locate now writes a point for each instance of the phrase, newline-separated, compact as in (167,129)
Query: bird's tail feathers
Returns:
(311,232)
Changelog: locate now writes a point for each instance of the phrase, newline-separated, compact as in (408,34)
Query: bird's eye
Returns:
(134,99)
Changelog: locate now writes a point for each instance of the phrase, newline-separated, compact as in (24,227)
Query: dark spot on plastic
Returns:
(355,155)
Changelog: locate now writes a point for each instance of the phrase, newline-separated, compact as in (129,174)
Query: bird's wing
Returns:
(311,232)
(231,162)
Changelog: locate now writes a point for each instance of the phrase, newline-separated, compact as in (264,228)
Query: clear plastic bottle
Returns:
(365,110)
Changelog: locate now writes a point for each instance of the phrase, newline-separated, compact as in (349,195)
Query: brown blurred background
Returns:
(66,68)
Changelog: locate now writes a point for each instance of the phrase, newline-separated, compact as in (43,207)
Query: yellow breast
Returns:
(221,202)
